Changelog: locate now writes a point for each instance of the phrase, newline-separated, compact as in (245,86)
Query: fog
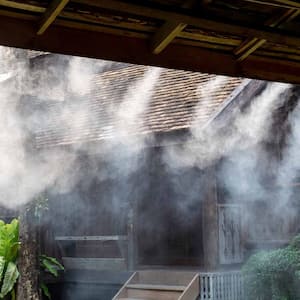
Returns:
(44,101)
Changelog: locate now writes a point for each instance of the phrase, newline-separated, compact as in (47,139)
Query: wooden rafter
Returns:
(249,47)
(123,31)
(252,44)
(169,31)
(277,3)
(22,6)
(51,13)
(19,16)
(168,16)
(165,35)
(288,2)
(103,29)
(61,39)
(207,24)
(205,37)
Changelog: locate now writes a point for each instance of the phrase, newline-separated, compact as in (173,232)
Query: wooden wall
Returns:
(170,215)
(163,206)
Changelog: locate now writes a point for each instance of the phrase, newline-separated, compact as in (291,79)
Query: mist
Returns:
(236,148)
(33,171)
(65,81)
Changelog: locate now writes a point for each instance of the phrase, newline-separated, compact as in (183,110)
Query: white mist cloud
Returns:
(248,128)
(238,149)
(81,72)
(289,168)
(205,93)
(129,115)
(26,171)
(22,177)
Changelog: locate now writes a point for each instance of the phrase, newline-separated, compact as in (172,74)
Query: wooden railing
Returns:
(221,286)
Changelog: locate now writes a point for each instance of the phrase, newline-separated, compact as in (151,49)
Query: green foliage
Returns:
(52,266)
(45,290)
(9,240)
(274,275)
(2,267)
(9,248)
(10,278)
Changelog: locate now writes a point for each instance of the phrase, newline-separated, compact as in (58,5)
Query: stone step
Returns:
(131,299)
(160,285)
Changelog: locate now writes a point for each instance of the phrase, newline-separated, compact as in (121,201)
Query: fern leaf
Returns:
(54,261)
(45,290)
(51,268)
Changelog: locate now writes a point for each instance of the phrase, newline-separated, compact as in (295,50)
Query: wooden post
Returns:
(210,221)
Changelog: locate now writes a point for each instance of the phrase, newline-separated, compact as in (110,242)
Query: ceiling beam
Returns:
(169,31)
(165,35)
(288,2)
(22,6)
(207,24)
(71,41)
(54,9)
(249,47)
(252,44)
(277,3)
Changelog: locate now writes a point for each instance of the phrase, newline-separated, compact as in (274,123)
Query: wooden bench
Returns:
(94,263)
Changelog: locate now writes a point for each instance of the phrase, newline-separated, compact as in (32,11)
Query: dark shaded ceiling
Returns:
(248,38)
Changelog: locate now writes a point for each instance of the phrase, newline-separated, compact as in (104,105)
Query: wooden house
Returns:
(127,208)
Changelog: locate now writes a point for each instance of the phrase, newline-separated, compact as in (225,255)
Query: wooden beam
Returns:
(168,32)
(22,6)
(101,29)
(252,44)
(207,24)
(287,16)
(288,2)
(196,41)
(257,43)
(245,45)
(165,35)
(205,41)
(107,21)
(72,41)
(51,13)
(279,55)
(18,15)
(277,3)
(217,40)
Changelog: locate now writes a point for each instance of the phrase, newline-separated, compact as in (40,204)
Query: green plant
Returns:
(38,208)
(50,265)
(9,248)
(274,275)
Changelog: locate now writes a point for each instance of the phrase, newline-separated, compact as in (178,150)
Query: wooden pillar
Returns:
(210,221)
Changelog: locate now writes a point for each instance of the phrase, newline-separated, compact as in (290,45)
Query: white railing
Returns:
(221,286)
